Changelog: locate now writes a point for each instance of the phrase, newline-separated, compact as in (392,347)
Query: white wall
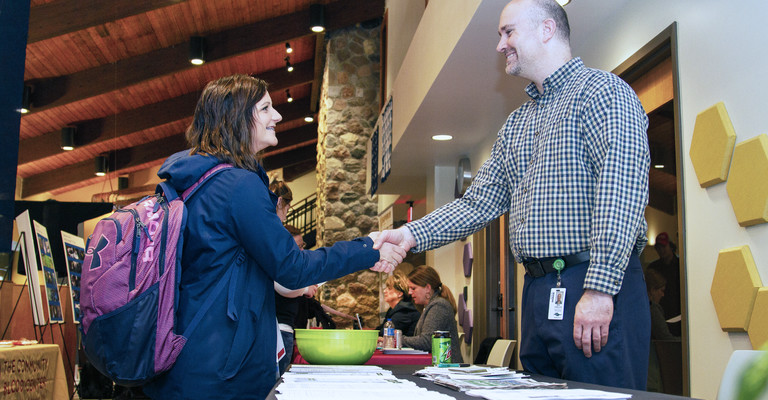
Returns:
(403,18)
(722,57)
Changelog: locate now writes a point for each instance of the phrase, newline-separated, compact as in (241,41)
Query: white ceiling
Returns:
(472,97)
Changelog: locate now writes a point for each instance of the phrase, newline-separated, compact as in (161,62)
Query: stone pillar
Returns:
(349,108)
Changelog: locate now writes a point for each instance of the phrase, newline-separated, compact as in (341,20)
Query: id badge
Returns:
(556,303)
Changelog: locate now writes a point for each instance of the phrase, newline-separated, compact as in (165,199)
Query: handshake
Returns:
(392,245)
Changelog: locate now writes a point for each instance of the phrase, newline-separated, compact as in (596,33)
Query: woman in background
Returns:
(401,311)
(439,313)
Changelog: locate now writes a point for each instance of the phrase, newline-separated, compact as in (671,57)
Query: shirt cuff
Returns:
(604,279)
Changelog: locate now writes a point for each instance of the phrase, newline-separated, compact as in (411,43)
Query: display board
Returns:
(74,253)
(55,312)
(24,225)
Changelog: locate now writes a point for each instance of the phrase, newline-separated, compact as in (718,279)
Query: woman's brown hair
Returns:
(223,122)
(399,282)
(425,275)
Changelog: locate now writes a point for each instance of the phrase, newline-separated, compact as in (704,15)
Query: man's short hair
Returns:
(552,9)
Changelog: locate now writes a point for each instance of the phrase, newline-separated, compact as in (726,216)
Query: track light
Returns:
(288,65)
(68,138)
(288,95)
(317,17)
(101,166)
(26,99)
(288,48)
(197,50)
(309,118)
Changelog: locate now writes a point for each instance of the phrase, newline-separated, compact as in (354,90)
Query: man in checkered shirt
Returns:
(570,166)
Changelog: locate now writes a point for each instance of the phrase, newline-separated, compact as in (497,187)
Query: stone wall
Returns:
(349,108)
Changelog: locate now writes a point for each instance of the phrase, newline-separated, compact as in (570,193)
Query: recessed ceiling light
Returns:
(658,166)
(442,137)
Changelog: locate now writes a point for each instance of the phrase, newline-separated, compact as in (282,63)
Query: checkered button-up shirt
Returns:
(571,168)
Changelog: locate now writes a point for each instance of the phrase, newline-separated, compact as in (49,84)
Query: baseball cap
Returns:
(662,238)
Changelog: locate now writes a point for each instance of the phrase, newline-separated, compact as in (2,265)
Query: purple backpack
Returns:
(130,284)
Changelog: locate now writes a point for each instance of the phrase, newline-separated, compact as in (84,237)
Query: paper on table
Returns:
(404,350)
(334,382)
(542,394)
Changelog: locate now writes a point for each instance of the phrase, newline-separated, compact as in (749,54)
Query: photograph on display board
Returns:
(55,313)
(29,256)
(74,252)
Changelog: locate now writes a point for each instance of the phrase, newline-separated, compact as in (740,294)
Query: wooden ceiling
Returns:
(118,71)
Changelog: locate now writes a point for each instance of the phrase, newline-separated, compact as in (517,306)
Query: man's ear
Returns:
(548,29)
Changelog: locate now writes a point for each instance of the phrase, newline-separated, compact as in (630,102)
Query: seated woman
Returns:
(439,313)
(401,309)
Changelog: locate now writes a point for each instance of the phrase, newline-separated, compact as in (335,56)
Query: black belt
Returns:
(538,267)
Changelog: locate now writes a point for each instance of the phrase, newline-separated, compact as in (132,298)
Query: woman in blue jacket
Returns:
(234,234)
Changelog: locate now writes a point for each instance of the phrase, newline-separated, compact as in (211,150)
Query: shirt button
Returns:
(616,283)
(537,133)
(522,220)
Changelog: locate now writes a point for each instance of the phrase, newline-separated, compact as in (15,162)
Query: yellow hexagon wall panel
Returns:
(712,145)
(734,288)
(748,181)
(758,325)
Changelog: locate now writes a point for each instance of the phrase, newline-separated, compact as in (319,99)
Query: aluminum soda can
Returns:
(441,348)
(398,339)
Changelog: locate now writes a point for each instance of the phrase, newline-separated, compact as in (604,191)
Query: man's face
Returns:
(517,38)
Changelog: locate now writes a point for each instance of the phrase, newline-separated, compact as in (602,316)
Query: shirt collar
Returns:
(557,79)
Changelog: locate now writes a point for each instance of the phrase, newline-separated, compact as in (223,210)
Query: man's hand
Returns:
(390,256)
(401,236)
(594,312)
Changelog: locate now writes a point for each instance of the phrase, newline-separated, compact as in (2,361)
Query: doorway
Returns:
(653,74)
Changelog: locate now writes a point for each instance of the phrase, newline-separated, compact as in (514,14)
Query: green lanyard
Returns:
(558,265)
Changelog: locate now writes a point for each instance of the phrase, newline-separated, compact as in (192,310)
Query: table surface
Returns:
(406,372)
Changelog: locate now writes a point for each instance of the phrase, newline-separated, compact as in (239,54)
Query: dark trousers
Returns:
(547,347)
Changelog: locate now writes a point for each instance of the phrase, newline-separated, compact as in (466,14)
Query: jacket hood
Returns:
(182,170)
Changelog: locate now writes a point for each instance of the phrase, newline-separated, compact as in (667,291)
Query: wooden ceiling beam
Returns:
(66,16)
(160,113)
(126,159)
(290,158)
(299,170)
(54,92)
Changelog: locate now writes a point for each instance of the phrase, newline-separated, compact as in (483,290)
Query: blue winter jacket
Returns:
(232,226)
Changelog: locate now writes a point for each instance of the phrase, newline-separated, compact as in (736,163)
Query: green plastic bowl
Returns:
(336,346)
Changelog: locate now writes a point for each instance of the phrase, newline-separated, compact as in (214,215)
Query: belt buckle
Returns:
(535,269)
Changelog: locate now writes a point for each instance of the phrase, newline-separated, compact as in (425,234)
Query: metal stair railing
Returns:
(302,214)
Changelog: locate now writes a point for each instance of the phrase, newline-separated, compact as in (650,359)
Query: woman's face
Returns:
(392,295)
(419,293)
(264,120)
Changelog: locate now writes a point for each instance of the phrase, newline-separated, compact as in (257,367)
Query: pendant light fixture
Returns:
(26,100)
(288,96)
(288,48)
(101,166)
(197,50)
(68,138)
(317,17)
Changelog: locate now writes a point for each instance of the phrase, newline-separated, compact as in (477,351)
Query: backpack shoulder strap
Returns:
(211,172)
(171,193)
